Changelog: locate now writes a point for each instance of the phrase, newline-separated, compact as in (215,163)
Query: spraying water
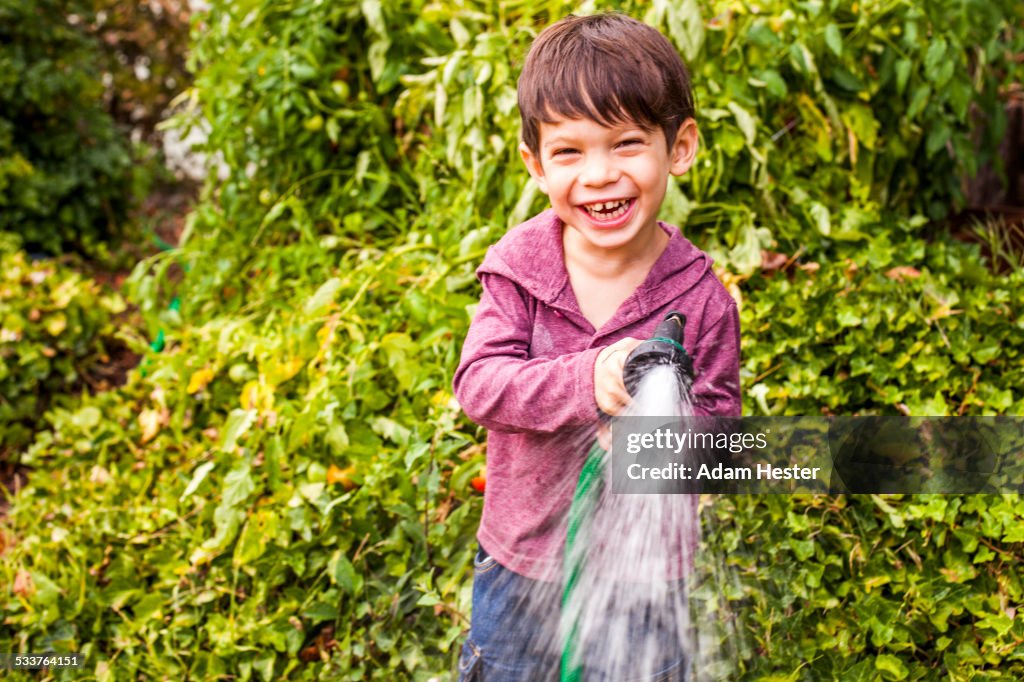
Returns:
(626,615)
(626,611)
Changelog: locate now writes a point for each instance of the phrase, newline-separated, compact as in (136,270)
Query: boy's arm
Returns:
(717,368)
(501,388)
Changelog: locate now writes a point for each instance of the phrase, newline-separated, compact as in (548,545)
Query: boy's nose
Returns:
(599,171)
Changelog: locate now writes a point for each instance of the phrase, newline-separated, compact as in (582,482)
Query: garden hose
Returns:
(665,348)
(584,499)
(158,343)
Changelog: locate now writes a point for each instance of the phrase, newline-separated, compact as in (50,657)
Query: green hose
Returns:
(157,345)
(588,489)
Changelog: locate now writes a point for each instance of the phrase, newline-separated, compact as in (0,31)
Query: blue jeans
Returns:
(514,632)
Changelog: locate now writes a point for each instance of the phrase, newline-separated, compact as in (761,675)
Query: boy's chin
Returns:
(606,239)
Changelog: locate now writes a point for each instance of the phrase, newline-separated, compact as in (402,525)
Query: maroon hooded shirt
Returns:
(527,376)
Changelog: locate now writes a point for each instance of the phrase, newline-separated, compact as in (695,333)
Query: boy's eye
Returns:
(631,141)
(565,150)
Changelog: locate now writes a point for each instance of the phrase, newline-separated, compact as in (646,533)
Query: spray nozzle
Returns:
(664,348)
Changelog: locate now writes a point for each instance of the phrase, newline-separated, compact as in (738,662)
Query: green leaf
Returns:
(392,430)
(937,138)
(343,573)
(238,485)
(935,56)
(318,303)
(822,217)
(745,121)
(891,667)
(1000,623)
(686,26)
(87,418)
(848,317)
(337,438)
(903,67)
(47,591)
(676,208)
(251,544)
(1014,533)
(861,120)
(373,12)
(198,476)
(803,549)
(238,423)
(834,39)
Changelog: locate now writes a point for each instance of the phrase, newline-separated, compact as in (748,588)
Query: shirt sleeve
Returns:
(717,368)
(501,388)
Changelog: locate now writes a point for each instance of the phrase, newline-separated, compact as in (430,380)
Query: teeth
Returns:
(597,209)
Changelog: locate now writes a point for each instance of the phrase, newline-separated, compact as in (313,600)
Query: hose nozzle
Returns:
(665,347)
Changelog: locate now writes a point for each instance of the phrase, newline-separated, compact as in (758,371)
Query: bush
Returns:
(53,326)
(65,171)
(895,328)
(857,587)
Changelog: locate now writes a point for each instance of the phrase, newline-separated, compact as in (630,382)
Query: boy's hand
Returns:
(609,390)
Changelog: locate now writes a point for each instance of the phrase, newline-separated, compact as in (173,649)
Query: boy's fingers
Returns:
(609,388)
(613,399)
(610,402)
(622,348)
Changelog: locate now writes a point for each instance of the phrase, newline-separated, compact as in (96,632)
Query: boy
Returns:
(607,115)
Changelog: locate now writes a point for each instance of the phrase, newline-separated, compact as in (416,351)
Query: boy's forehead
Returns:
(563,127)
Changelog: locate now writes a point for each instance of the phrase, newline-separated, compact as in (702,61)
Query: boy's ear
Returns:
(684,151)
(533,165)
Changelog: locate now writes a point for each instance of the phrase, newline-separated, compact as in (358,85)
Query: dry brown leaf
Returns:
(23,584)
(901,272)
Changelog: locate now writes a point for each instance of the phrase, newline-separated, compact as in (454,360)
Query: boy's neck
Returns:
(612,264)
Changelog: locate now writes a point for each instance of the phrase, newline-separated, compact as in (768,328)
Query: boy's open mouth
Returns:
(608,210)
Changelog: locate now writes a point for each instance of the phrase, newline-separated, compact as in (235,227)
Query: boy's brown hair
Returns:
(607,67)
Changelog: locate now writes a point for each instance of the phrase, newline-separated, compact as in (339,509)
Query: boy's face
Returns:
(608,183)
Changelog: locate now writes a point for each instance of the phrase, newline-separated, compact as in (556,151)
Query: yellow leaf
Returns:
(943,311)
(149,422)
(285,371)
(200,380)
(336,474)
(249,393)
(876,581)
(257,395)
(56,324)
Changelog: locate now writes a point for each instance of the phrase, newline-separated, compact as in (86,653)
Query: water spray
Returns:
(664,349)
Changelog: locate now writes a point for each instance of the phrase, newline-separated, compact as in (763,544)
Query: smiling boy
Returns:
(607,114)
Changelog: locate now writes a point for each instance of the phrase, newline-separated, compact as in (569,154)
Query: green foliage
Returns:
(52,327)
(64,170)
(909,328)
(246,539)
(284,493)
(916,587)
(814,107)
